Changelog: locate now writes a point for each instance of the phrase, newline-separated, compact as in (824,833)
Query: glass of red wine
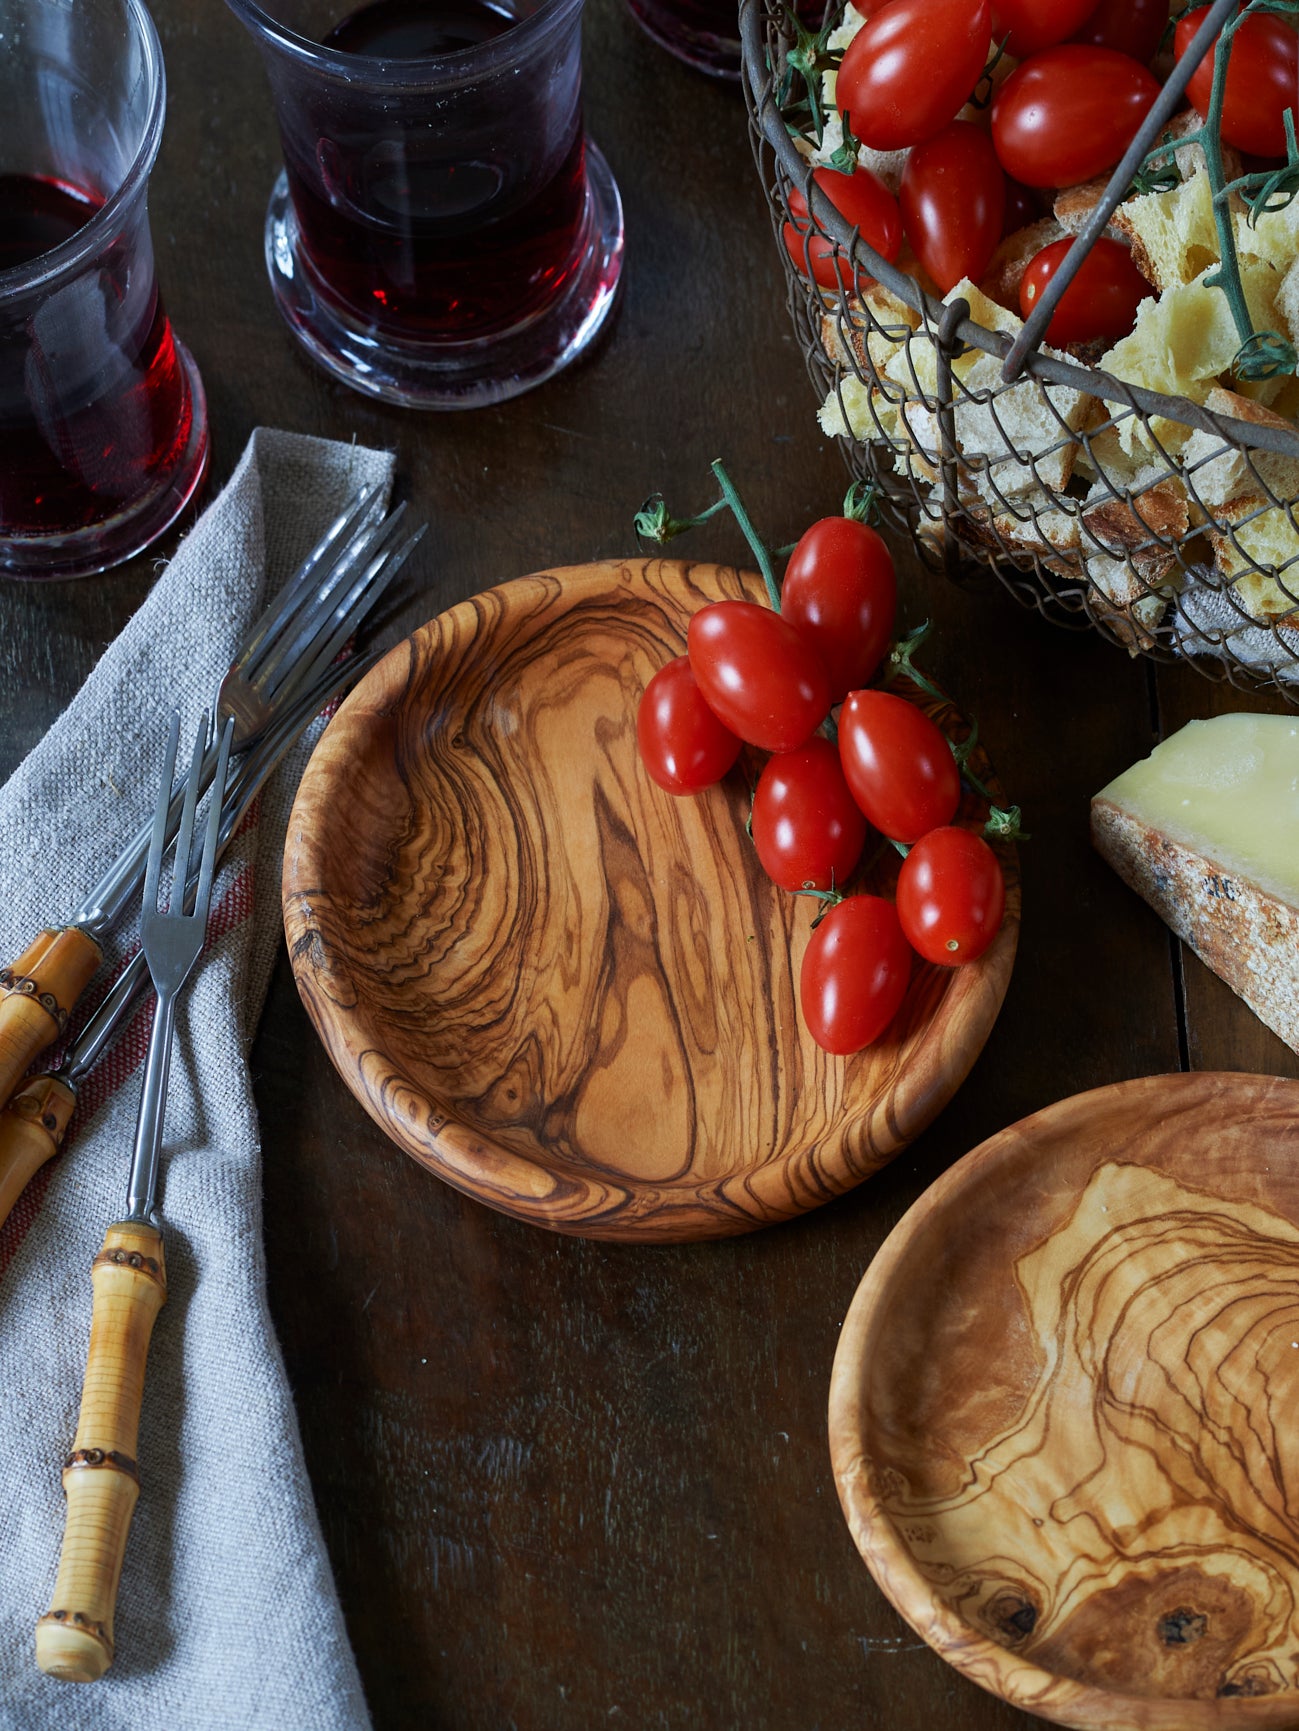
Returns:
(703,33)
(443,234)
(103,427)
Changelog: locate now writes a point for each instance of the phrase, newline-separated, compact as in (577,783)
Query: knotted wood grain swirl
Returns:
(562,989)
(1066,1410)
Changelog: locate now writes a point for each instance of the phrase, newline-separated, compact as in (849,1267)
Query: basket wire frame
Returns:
(1127,510)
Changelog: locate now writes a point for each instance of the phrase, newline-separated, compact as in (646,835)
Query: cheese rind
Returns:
(1206,829)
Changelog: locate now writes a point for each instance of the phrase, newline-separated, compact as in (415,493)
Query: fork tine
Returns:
(298,655)
(319,568)
(185,834)
(162,809)
(203,894)
(361,601)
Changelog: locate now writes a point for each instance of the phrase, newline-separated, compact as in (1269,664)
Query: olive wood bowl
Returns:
(559,988)
(1064,1414)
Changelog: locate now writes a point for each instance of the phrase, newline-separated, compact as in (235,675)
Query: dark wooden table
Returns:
(568,1484)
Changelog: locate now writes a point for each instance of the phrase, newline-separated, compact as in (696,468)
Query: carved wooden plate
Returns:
(1064,1415)
(559,988)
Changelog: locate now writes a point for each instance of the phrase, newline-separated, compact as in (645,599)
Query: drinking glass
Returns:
(703,33)
(103,426)
(443,234)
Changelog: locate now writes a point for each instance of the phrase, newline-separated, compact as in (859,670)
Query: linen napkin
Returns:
(227,1614)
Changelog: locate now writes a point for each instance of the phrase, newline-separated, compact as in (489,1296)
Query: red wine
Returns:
(424,240)
(92,398)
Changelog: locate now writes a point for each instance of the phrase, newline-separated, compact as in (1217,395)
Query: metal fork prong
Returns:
(332,547)
(203,894)
(185,834)
(162,812)
(364,598)
(296,654)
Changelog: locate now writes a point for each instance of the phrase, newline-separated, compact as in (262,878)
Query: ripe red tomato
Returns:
(1069,113)
(1101,301)
(841,594)
(855,972)
(683,745)
(865,202)
(807,827)
(1134,27)
(898,763)
(1262,80)
(951,896)
(953,199)
(1031,25)
(910,68)
(759,675)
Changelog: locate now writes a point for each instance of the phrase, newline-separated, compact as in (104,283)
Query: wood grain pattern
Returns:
(559,988)
(1065,1409)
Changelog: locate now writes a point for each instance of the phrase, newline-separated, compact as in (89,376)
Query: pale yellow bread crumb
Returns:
(1172,234)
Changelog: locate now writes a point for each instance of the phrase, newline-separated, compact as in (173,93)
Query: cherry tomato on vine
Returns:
(841,594)
(1262,80)
(864,201)
(806,826)
(953,200)
(910,68)
(854,975)
(683,745)
(760,677)
(1134,27)
(898,764)
(1028,26)
(951,896)
(1101,301)
(1069,113)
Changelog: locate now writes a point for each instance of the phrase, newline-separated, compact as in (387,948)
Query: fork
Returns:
(297,636)
(74,1639)
(33,1123)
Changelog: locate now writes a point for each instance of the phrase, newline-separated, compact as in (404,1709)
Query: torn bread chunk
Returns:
(1010,438)
(1180,344)
(1219,471)
(1126,603)
(1172,234)
(1206,829)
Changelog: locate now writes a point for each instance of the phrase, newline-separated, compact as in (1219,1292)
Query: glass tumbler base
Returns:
(139,522)
(450,375)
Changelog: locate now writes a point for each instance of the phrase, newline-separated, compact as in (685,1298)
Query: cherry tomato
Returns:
(1262,80)
(1101,301)
(865,202)
(1134,27)
(951,896)
(1022,206)
(1027,26)
(683,745)
(759,675)
(841,593)
(855,971)
(1069,113)
(910,68)
(953,199)
(898,764)
(807,827)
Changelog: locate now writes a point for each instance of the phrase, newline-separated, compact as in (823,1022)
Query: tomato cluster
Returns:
(1066,113)
(753,675)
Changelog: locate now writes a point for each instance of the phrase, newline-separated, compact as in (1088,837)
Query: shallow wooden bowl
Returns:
(559,988)
(1064,1415)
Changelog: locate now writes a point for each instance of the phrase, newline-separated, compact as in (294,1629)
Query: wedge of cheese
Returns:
(1207,829)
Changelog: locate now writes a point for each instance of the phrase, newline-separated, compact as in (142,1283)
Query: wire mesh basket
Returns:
(1170,525)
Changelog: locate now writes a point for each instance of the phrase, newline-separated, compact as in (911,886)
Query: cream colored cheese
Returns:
(1228,789)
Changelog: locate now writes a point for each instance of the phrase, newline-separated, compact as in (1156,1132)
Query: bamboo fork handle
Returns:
(31,1130)
(40,989)
(74,1639)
